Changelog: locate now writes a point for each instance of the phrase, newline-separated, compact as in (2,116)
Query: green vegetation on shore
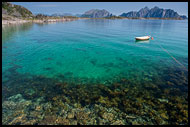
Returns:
(15,10)
(42,16)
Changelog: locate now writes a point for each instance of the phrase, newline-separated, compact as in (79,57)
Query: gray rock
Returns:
(15,10)
(163,100)
(70,115)
(96,13)
(16,98)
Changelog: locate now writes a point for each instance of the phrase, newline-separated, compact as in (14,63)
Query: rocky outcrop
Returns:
(15,14)
(15,11)
(155,12)
(96,13)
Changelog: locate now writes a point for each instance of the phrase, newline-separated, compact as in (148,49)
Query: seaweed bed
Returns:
(38,100)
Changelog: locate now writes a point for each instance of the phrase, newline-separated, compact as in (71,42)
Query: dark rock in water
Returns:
(70,115)
(63,121)
(108,70)
(16,98)
(59,63)
(110,64)
(69,73)
(29,92)
(48,58)
(107,65)
(120,58)
(108,116)
(82,117)
(61,76)
(93,61)
(163,100)
(48,120)
(48,68)
(118,122)
(81,49)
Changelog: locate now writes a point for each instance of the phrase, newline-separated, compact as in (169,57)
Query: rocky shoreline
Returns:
(5,22)
(19,21)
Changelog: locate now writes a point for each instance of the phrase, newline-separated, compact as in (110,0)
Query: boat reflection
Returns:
(142,41)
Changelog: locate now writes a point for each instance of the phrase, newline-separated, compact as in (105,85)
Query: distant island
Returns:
(144,13)
(155,12)
(17,14)
(96,13)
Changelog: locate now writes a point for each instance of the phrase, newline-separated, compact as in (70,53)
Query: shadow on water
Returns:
(142,41)
(10,30)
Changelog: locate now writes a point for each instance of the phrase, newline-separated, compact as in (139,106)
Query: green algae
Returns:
(124,97)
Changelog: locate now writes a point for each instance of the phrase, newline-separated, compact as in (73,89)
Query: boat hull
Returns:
(143,38)
(142,41)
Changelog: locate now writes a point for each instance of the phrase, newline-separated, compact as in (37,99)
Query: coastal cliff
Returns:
(11,11)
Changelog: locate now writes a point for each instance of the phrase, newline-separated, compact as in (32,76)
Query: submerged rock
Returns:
(70,115)
(18,120)
(163,100)
(16,98)
(118,103)
(163,115)
(48,120)
(118,122)
(108,116)
(9,105)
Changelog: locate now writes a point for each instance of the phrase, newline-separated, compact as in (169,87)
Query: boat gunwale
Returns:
(143,38)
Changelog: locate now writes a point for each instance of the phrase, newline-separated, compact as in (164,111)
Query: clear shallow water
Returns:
(95,49)
(94,72)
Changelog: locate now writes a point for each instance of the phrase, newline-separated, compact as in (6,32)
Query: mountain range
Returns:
(96,13)
(145,12)
(9,9)
(155,12)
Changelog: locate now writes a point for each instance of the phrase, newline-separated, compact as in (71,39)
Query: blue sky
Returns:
(115,8)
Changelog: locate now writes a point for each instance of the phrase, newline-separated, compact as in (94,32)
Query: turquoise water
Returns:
(93,71)
(95,49)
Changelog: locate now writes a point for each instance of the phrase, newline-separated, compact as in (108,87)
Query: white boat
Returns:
(143,38)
